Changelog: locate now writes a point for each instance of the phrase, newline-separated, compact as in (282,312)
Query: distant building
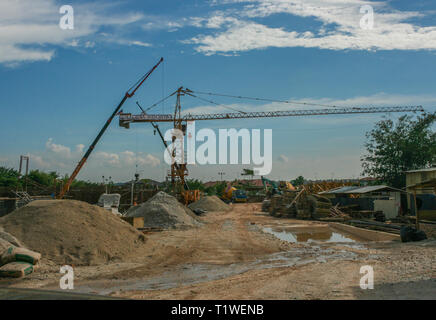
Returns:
(390,200)
(367,181)
(422,182)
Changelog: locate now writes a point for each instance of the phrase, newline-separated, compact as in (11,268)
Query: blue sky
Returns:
(57,87)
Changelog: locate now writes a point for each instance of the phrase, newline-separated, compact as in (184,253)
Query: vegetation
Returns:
(11,178)
(220,187)
(8,177)
(393,148)
(299,181)
(194,184)
(247,172)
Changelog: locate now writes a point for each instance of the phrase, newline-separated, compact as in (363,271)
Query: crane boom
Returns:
(126,118)
(127,95)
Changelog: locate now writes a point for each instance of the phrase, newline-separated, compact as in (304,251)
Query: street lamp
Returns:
(221,174)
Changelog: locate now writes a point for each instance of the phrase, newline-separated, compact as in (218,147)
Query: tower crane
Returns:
(179,121)
(127,95)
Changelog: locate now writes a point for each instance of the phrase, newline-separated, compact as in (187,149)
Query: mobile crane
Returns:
(127,95)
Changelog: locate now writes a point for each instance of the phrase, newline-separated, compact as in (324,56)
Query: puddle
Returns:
(324,234)
(317,248)
(189,274)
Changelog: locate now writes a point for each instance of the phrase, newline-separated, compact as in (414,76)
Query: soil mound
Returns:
(210,203)
(164,211)
(72,232)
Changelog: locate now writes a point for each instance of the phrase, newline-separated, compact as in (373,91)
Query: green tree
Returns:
(220,187)
(43,178)
(195,184)
(299,181)
(393,148)
(247,172)
(8,177)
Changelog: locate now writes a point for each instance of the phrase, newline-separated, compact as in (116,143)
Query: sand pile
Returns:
(164,211)
(72,232)
(210,203)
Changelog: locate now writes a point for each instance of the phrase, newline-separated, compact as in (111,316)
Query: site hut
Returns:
(422,184)
(392,201)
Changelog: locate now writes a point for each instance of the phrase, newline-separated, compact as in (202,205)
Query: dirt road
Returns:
(246,254)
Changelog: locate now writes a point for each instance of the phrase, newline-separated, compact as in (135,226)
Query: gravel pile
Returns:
(210,203)
(165,212)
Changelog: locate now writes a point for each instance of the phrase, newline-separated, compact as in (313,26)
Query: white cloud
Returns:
(151,160)
(58,148)
(283,158)
(38,162)
(340,30)
(79,148)
(140,43)
(130,159)
(29,27)
(108,158)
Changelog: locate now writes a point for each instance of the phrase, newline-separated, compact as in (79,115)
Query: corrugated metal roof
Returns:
(421,170)
(340,190)
(370,189)
(354,189)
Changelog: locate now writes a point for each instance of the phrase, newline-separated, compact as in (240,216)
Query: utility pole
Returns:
(221,174)
(24,158)
(133,188)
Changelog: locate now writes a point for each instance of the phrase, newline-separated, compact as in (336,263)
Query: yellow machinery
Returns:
(231,194)
(190,196)
(228,193)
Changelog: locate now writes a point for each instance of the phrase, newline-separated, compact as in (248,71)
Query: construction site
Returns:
(249,239)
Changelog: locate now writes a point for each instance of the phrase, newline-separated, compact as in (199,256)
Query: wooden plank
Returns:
(136,222)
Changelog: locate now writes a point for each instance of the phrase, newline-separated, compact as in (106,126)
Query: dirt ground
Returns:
(233,256)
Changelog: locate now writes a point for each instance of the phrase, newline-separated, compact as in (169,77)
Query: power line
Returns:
(215,103)
(155,104)
(266,99)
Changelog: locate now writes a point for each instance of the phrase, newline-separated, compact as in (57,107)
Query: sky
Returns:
(58,86)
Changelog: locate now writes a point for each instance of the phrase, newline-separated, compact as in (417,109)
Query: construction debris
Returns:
(408,234)
(8,238)
(337,213)
(73,232)
(164,211)
(210,203)
(110,202)
(18,262)
(14,254)
(17,269)
(299,204)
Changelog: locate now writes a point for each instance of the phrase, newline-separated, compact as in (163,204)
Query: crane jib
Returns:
(126,118)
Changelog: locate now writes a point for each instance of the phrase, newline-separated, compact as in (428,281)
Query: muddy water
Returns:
(189,274)
(315,244)
(324,234)
(196,273)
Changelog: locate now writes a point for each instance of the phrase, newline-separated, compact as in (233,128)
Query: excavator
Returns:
(231,194)
(277,187)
